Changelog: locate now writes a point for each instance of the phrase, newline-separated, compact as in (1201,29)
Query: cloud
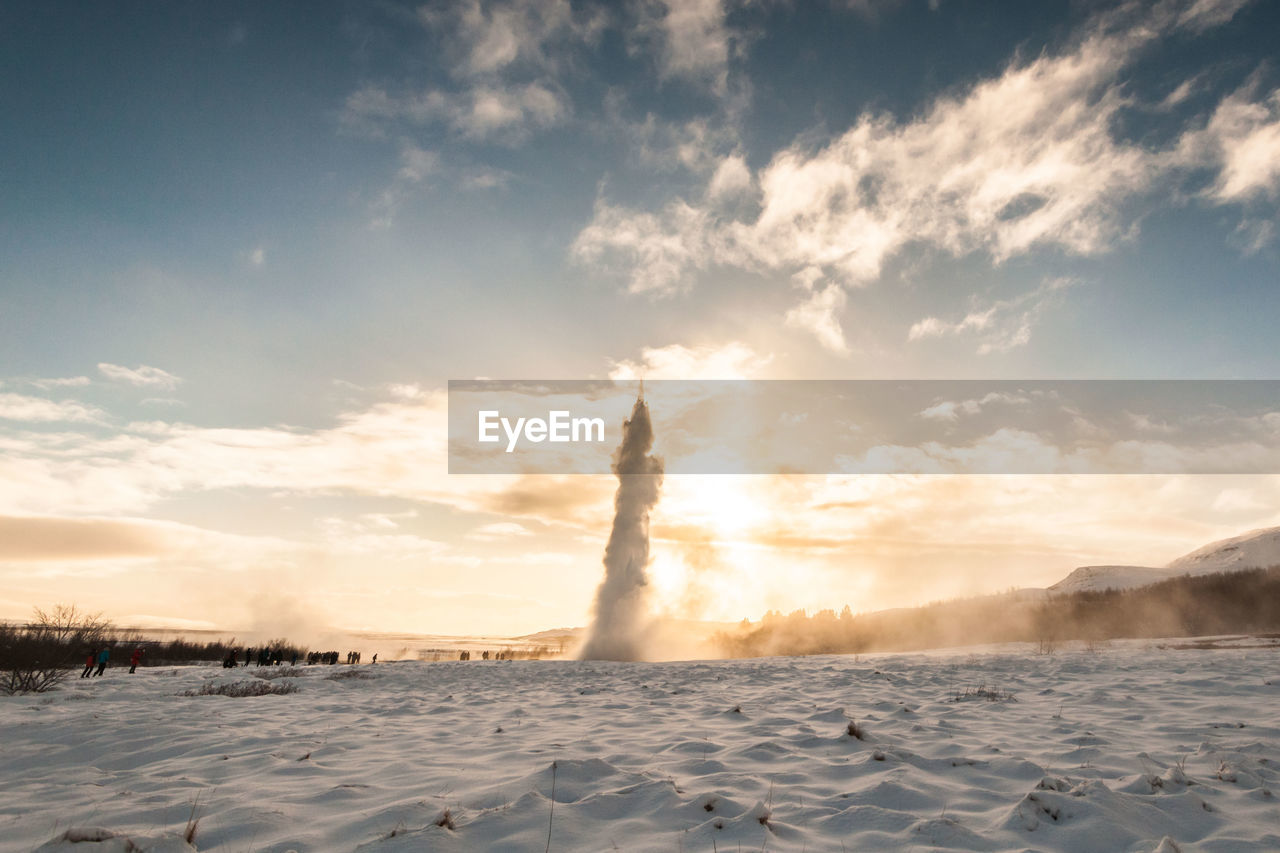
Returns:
(395,448)
(498,530)
(258,256)
(693,41)
(492,110)
(54,539)
(950,410)
(143,376)
(733,360)
(36,538)
(701,145)
(504,59)
(20,407)
(1242,139)
(485,39)
(1201,15)
(731,178)
(1001,326)
(1023,161)
(660,252)
(416,166)
(820,315)
(60,382)
(369,535)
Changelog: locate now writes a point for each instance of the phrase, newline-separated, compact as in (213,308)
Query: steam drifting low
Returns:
(619,619)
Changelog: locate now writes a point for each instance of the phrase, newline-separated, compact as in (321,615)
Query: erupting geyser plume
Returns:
(618,623)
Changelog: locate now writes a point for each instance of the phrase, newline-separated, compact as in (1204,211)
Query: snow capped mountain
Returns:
(1257,549)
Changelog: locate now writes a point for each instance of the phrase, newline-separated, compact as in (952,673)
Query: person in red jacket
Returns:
(89,664)
(135,659)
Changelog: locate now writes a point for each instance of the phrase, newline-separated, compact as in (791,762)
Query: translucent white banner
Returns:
(872,426)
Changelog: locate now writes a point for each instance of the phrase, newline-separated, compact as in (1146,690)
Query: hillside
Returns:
(1257,549)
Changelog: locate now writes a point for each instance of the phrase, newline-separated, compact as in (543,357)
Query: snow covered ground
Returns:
(1129,748)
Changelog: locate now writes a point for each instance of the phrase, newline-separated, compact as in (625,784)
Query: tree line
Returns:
(1224,603)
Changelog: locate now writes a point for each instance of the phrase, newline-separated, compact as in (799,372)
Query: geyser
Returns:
(619,620)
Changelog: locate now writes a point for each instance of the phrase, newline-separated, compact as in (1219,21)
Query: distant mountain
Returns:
(1257,549)
(1109,577)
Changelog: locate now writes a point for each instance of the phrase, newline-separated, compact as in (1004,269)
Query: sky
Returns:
(244,247)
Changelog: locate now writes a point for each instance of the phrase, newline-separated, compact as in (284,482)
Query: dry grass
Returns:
(241,689)
(343,675)
(983,692)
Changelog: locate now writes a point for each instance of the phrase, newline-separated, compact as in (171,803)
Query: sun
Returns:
(726,507)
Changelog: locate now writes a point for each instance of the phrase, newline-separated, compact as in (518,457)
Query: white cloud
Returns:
(950,410)
(60,382)
(499,530)
(732,360)
(1024,160)
(143,376)
(660,252)
(1021,161)
(732,178)
(1001,326)
(489,110)
(700,145)
(819,314)
(694,40)
(416,166)
(1201,15)
(258,256)
(1243,139)
(489,38)
(505,59)
(20,407)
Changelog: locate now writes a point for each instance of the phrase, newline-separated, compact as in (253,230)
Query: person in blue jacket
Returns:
(103,657)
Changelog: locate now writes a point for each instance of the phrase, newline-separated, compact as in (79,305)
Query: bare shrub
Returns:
(37,656)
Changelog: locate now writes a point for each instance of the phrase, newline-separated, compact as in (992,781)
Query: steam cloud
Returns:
(619,621)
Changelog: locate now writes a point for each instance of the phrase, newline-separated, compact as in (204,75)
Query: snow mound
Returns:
(98,840)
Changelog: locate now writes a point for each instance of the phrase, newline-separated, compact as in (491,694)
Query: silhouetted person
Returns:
(230,662)
(88,665)
(294,661)
(103,657)
(248,656)
(135,659)
(375,657)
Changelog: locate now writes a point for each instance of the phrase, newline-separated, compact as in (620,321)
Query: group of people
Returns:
(332,657)
(101,658)
(466,655)
(265,657)
(275,657)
